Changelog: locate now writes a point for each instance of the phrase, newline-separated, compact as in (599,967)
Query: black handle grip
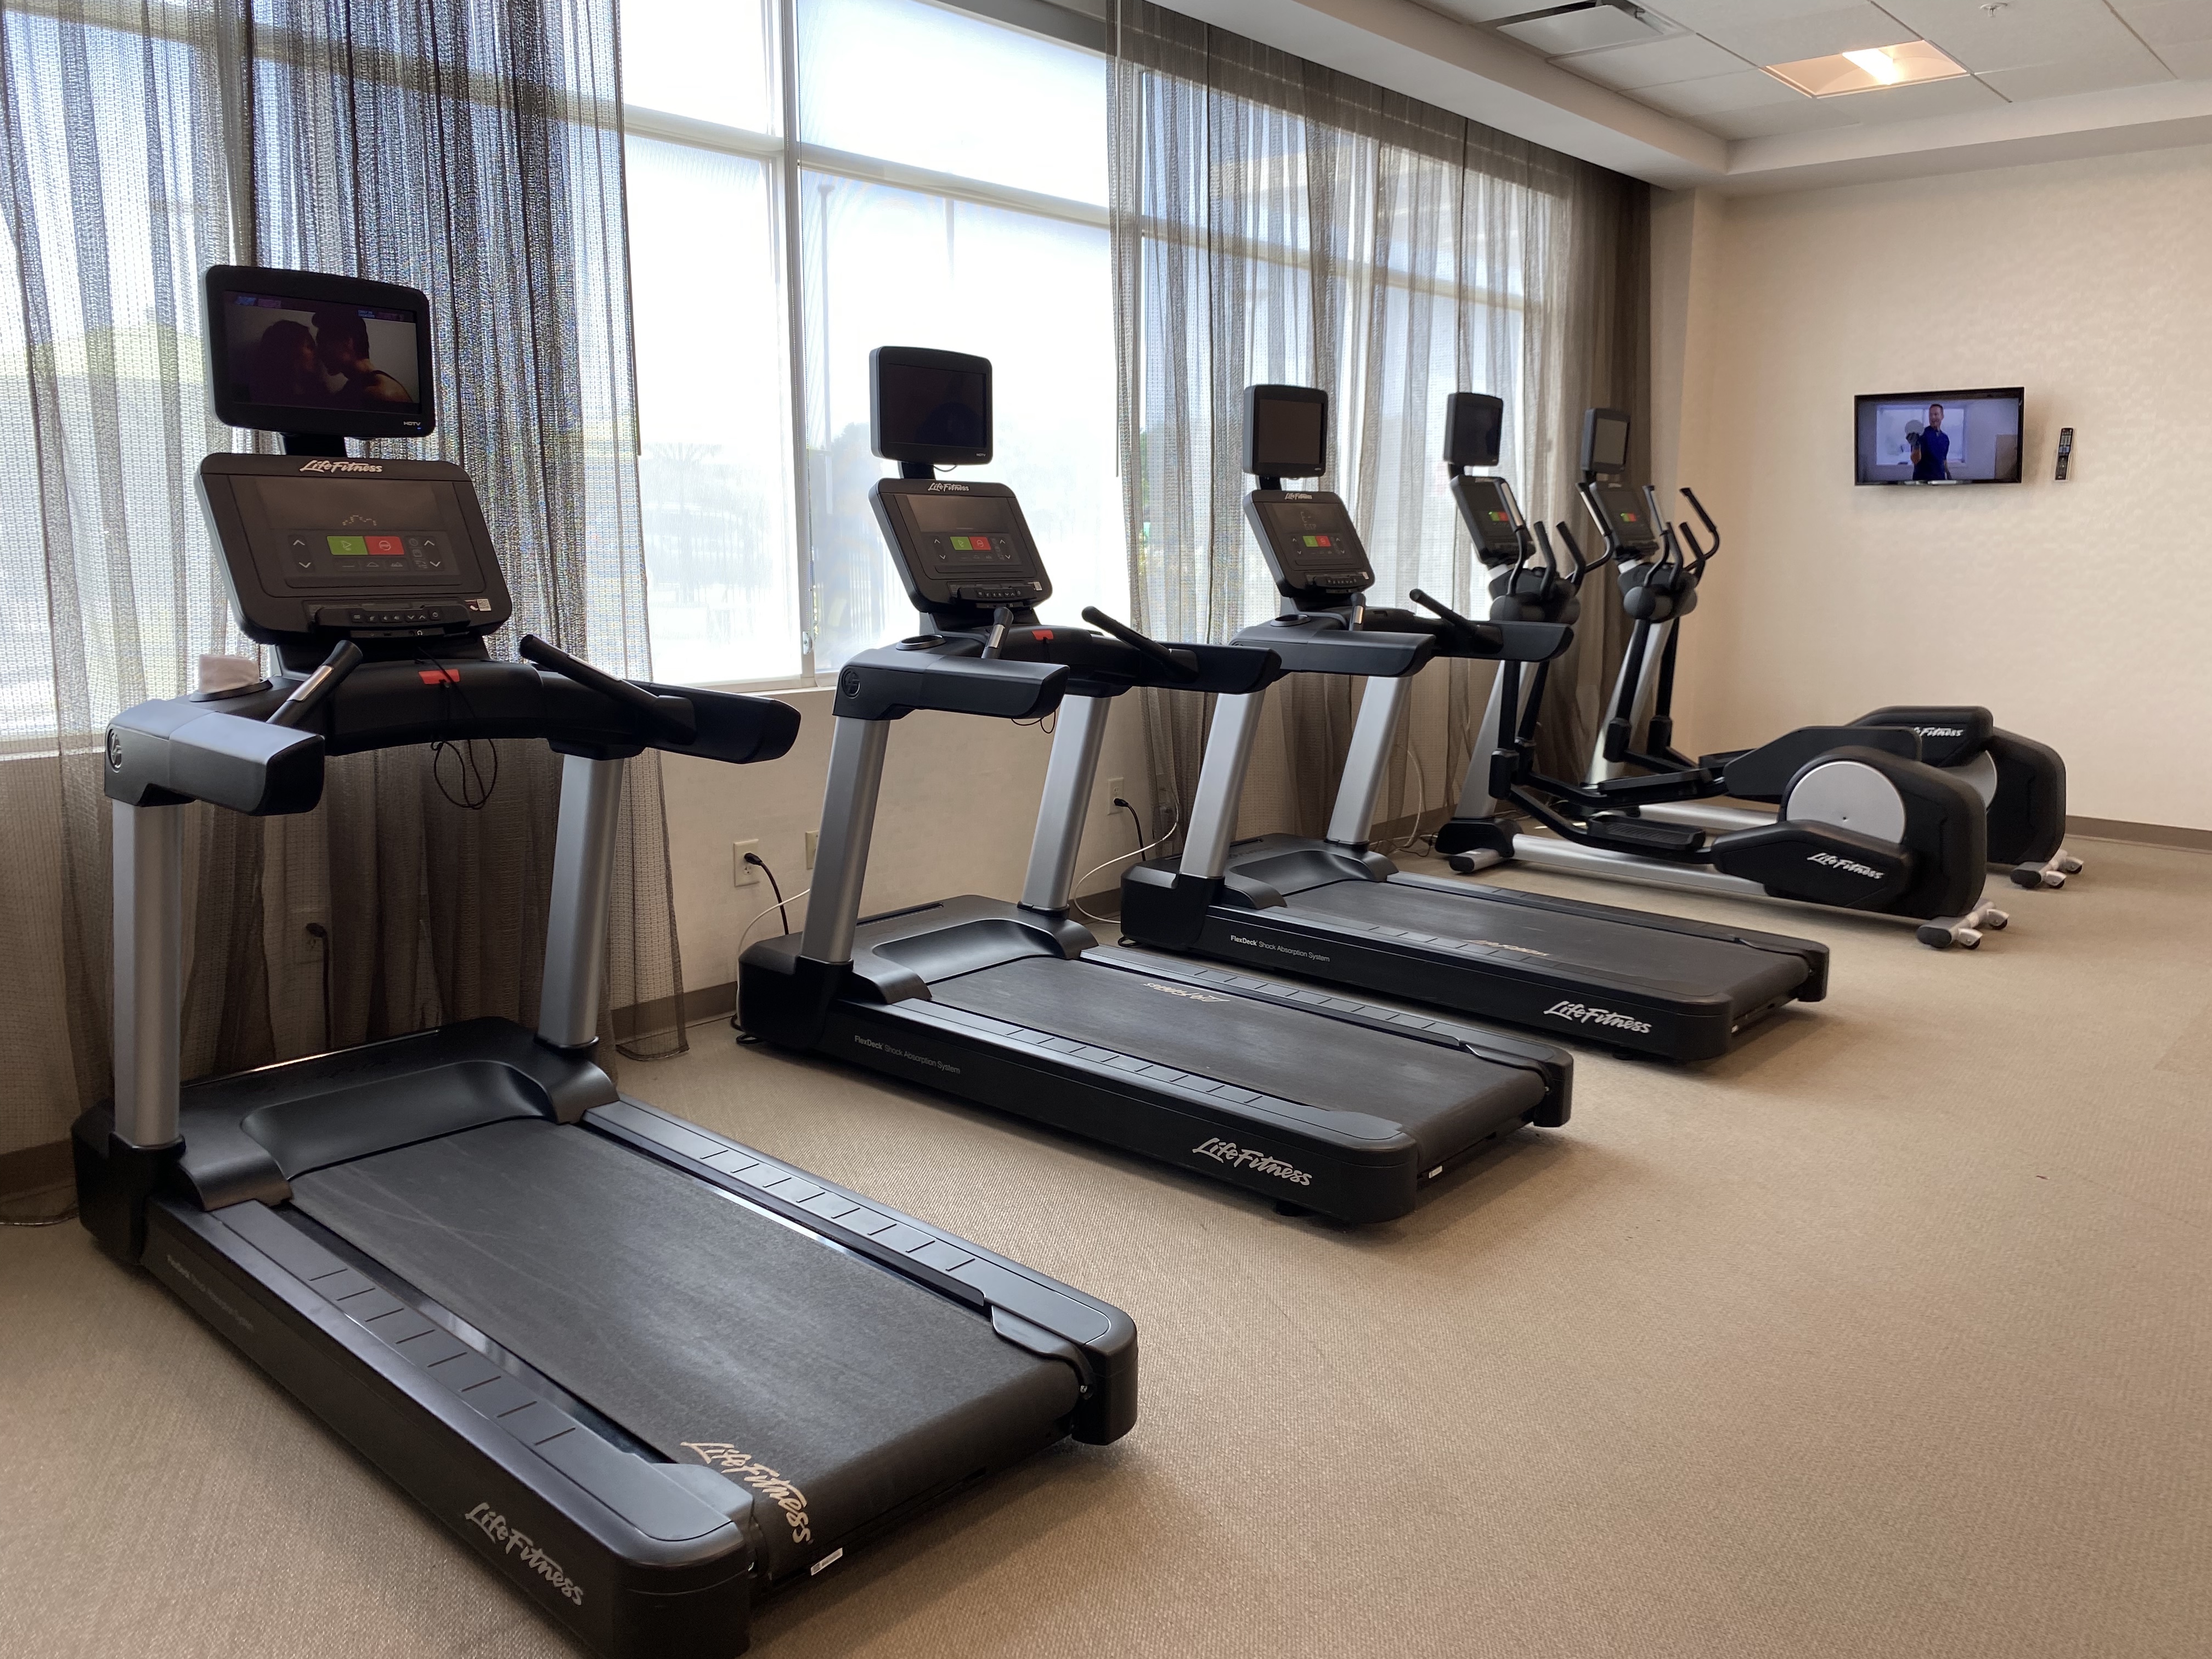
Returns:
(655,711)
(312,692)
(1575,551)
(1151,648)
(1437,607)
(1711,529)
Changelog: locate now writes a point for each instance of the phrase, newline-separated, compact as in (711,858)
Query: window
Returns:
(946,187)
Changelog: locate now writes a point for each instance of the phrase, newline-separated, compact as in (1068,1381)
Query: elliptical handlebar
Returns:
(1711,529)
(1583,565)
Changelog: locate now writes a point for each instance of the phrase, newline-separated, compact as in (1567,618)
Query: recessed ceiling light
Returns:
(1865,71)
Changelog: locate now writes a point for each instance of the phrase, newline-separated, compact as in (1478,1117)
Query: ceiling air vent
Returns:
(1580,26)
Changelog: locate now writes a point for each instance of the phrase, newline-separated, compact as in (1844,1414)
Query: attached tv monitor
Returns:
(1940,437)
(1474,428)
(1604,443)
(1286,431)
(301,351)
(929,408)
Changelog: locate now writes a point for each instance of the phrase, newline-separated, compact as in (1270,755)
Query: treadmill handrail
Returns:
(1321,642)
(946,674)
(171,750)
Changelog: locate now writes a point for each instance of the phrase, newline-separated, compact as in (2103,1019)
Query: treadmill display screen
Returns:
(970,544)
(331,534)
(1492,515)
(1622,515)
(1311,544)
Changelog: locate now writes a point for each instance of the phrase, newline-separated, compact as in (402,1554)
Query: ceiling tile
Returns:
(2017,33)
(1803,116)
(2166,23)
(2089,72)
(2191,60)
(1953,97)
(1683,57)
(1756,33)
(1579,31)
(1708,15)
(1747,89)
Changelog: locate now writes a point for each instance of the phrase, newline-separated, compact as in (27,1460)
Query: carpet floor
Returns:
(1885,1335)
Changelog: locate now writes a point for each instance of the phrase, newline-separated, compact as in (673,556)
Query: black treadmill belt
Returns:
(691,1319)
(1443,1097)
(1686,964)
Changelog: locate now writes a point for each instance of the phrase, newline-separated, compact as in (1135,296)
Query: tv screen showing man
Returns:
(1940,437)
(1931,449)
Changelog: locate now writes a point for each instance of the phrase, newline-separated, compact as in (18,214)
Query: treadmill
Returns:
(1322,1102)
(1337,911)
(646,1374)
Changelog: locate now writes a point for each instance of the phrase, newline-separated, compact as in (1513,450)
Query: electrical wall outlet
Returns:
(1116,789)
(813,838)
(741,873)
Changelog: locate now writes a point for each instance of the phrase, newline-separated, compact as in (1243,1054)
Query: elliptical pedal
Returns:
(1663,841)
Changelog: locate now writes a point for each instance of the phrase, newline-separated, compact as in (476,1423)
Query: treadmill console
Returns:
(1624,518)
(393,555)
(1312,552)
(963,551)
(960,547)
(1492,518)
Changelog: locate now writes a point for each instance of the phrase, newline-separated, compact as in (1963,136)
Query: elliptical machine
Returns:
(2021,782)
(1862,827)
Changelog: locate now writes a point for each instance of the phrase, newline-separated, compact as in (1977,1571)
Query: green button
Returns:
(962,542)
(348,547)
(1312,541)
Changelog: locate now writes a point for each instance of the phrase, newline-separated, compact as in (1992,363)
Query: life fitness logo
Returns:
(941,486)
(1831,861)
(1584,1013)
(517,1545)
(341,466)
(1250,1157)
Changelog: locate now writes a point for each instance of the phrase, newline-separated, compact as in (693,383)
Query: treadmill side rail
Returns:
(568,1549)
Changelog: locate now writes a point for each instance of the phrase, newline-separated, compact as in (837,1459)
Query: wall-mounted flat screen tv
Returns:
(1940,437)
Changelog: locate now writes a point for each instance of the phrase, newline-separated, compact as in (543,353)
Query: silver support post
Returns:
(1476,800)
(848,821)
(149,967)
(1367,760)
(1078,737)
(576,922)
(1639,711)
(1220,784)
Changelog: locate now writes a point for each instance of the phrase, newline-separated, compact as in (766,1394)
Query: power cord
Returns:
(774,886)
(1139,853)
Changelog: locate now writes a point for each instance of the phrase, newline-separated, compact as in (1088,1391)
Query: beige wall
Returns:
(2076,611)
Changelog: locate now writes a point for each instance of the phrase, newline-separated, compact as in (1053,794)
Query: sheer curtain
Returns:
(1276,221)
(471,148)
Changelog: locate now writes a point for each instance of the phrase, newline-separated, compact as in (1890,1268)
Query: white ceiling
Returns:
(1702,60)
(1677,93)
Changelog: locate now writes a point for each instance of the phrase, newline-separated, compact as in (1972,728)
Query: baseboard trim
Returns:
(2141,835)
(35,1168)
